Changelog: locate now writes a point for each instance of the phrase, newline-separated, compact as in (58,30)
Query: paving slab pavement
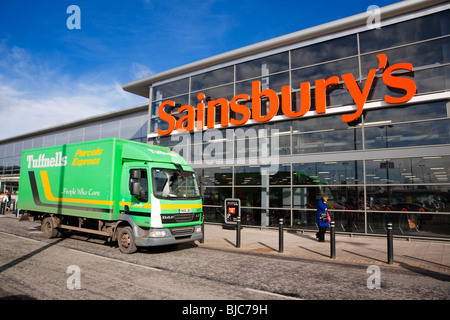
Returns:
(433,255)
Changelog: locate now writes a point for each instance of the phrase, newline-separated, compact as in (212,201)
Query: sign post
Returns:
(233,217)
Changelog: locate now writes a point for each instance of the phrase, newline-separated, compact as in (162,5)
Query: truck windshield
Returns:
(171,184)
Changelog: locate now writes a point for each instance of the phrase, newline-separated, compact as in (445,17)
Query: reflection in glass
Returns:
(324,71)
(418,55)
(279,197)
(282,176)
(431,26)
(324,51)
(216,195)
(250,196)
(217,176)
(431,110)
(261,67)
(247,175)
(274,82)
(212,78)
(331,173)
(431,198)
(433,169)
(324,134)
(170,89)
(407,135)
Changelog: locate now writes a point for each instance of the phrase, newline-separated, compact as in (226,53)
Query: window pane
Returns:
(418,55)
(274,82)
(332,172)
(216,195)
(324,134)
(324,51)
(409,134)
(432,110)
(324,71)
(282,176)
(307,197)
(250,216)
(213,214)
(407,198)
(409,171)
(170,89)
(263,66)
(246,149)
(250,196)
(247,175)
(279,197)
(217,176)
(280,138)
(212,78)
(422,28)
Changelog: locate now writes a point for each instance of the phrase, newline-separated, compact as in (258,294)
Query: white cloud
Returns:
(35,96)
(140,71)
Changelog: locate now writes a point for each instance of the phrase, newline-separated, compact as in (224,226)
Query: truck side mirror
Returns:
(135,188)
(135,174)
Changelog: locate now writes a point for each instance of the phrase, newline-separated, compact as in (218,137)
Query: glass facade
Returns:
(392,164)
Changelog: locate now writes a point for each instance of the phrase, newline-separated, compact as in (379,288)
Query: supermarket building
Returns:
(355,110)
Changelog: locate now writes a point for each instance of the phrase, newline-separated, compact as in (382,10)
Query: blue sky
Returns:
(50,74)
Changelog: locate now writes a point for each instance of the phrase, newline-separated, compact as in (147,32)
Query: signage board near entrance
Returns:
(232,210)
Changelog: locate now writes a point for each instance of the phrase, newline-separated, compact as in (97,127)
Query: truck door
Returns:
(135,194)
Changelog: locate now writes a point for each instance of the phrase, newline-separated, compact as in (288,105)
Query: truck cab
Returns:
(162,199)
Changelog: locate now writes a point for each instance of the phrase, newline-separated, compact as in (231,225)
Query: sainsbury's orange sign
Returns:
(194,119)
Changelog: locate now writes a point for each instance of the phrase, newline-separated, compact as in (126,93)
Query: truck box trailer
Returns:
(133,193)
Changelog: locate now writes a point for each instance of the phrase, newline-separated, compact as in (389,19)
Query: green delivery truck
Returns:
(133,193)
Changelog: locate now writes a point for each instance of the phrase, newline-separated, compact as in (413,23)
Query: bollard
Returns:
(281,237)
(390,243)
(238,232)
(332,240)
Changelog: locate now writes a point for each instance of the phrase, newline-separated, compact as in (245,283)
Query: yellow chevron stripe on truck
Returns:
(49,195)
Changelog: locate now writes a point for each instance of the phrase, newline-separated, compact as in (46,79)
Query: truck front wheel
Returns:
(48,229)
(125,240)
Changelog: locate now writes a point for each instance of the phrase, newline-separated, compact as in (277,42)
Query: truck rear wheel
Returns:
(125,240)
(48,229)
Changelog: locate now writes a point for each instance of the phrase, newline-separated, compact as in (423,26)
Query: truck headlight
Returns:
(157,233)
(198,229)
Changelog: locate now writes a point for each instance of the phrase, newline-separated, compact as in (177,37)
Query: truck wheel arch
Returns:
(125,220)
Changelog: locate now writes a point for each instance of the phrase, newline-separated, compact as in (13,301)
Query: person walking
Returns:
(322,222)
